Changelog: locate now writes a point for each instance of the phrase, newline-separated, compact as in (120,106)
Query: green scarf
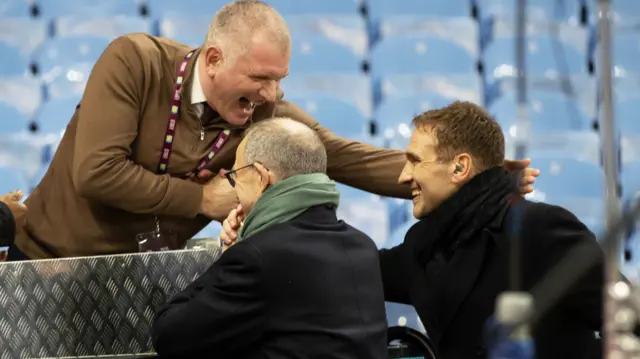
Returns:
(287,199)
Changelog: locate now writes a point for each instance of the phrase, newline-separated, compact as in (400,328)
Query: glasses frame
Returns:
(229,175)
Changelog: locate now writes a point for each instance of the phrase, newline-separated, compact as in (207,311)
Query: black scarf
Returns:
(451,227)
(462,215)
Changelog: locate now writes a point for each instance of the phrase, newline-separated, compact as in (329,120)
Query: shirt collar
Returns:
(197,95)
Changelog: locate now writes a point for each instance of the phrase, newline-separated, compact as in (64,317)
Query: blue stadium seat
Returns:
(456,87)
(13,120)
(625,12)
(436,8)
(580,87)
(396,113)
(318,54)
(627,115)
(398,233)
(400,219)
(364,211)
(407,55)
(68,81)
(630,179)
(25,94)
(626,51)
(629,145)
(210,231)
(25,34)
(12,61)
(582,145)
(12,180)
(190,27)
(569,34)
(341,117)
(347,30)
(352,88)
(566,177)
(462,31)
(547,112)
(170,8)
(626,84)
(545,57)
(57,8)
(56,114)
(537,10)
(325,7)
(62,52)
(14,8)
(631,269)
(108,27)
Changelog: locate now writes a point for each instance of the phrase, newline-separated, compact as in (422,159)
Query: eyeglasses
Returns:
(230,174)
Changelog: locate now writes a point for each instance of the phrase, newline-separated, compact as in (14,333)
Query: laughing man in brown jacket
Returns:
(144,138)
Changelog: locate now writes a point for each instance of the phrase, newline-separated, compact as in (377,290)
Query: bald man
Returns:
(299,283)
(157,118)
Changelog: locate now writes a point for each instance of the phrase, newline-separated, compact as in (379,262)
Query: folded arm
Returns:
(107,126)
(222,312)
(356,164)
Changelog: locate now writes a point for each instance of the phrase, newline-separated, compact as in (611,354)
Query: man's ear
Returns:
(212,59)
(461,168)
(267,178)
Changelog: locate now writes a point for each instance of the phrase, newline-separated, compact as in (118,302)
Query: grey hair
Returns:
(286,147)
(240,23)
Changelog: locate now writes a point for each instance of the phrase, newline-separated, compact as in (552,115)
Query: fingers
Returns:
(527,180)
(516,165)
(526,189)
(532,172)
(228,235)
(16,195)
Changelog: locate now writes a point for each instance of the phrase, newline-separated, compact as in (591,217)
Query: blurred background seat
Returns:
(62,52)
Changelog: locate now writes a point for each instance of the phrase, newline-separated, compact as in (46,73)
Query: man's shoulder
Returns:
(298,232)
(148,48)
(545,225)
(541,212)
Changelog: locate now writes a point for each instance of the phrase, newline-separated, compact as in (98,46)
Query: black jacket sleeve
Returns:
(396,278)
(221,313)
(557,233)
(7,226)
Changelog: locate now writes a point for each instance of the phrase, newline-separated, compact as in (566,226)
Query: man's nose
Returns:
(405,176)
(269,91)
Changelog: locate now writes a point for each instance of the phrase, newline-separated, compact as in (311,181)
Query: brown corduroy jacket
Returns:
(102,189)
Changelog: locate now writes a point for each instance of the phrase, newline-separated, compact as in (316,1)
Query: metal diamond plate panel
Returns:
(90,306)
